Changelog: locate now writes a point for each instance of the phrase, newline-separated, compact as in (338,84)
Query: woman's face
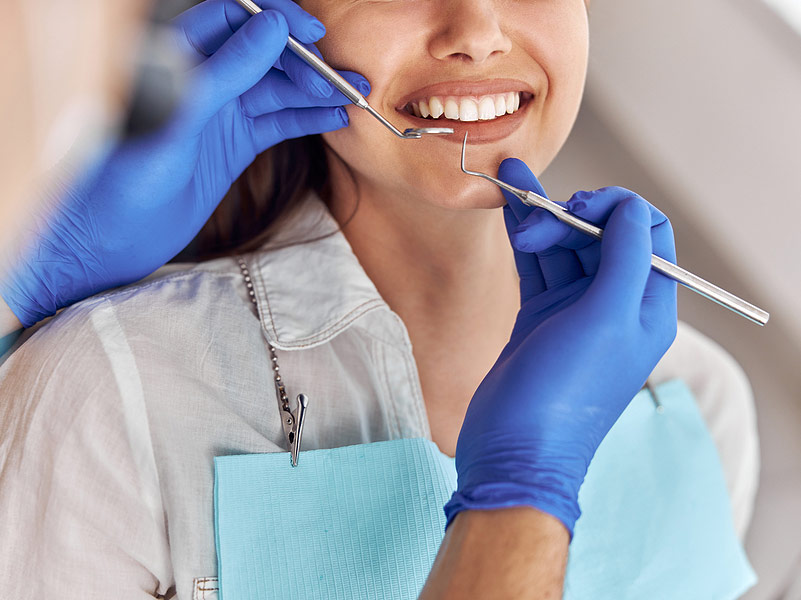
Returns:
(465,61)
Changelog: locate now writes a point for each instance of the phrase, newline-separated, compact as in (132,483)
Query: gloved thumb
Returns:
(625,263)
(515,172)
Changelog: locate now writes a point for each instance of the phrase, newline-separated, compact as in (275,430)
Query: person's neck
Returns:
(450,276)
(436,267)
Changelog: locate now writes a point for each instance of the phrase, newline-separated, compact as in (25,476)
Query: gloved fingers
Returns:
(276,92)
(596,207)
(289,123)
(545,305)
(664,244)
(515,172)
(541,234)
(625,263)
(307,78)
(232,70)
(659,299)
(303,75)
(560,266)
(204,28)
(539,231)
(532,281)
(590,258)
(208,26)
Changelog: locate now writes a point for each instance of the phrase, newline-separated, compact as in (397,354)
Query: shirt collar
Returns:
(308,293)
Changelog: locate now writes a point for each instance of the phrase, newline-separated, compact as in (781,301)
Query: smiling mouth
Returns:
(468,109)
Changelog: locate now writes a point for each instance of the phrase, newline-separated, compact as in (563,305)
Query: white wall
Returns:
(707,95)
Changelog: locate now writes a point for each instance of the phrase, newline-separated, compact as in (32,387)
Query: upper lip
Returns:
(467,88)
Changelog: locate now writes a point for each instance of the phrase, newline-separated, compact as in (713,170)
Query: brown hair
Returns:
(266,193)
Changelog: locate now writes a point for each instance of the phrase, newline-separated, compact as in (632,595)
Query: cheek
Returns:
(568,55)
(561,49)
(366,37)
(371,44)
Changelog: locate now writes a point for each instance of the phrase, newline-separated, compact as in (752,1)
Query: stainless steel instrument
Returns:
(350,92)
(684,277)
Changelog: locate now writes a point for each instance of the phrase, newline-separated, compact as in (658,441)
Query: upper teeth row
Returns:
(467,108)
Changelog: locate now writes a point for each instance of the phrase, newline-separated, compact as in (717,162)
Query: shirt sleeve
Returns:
(80,499)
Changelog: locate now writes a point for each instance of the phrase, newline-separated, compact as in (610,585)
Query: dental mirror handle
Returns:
(316,63)
(339,82)
(675,272)
(319,65)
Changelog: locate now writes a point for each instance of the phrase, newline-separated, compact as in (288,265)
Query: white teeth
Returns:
(486,108)
(436,107)
(424,110)
(451,109)
(500,106)
(466,108)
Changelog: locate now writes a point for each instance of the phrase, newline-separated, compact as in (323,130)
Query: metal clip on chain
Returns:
(292,421)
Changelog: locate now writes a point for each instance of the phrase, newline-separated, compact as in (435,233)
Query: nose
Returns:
(469,30)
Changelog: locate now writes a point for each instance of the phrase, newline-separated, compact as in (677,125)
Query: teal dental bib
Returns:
(366,521)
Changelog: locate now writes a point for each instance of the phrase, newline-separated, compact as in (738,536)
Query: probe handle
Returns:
(667,268)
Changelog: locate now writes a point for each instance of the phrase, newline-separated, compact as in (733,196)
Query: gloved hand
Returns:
(152,195)
(594,321)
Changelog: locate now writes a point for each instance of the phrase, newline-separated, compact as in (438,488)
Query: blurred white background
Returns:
(697,107)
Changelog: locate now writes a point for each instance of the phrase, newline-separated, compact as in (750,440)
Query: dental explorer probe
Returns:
(682,276)
(350,92)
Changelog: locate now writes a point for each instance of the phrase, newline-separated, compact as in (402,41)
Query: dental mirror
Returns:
(412,133)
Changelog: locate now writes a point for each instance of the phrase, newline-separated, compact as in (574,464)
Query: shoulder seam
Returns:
(166,279)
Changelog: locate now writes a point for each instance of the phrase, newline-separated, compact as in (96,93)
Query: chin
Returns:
(474,193)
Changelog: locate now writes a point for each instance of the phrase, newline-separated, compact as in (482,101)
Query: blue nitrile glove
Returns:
(152,195)
(594,321)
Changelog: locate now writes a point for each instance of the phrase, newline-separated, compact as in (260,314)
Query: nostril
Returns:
(471,33)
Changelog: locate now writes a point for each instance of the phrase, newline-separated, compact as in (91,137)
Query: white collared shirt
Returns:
(112,412)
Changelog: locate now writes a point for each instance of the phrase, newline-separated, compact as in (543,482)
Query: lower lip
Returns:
(480,132)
